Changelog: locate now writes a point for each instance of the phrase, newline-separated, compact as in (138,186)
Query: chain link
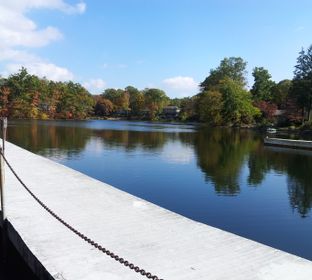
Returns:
(114,256)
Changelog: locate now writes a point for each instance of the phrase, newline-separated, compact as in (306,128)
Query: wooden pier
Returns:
(162,242)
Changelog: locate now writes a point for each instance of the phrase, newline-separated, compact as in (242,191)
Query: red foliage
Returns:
(267,109)
(4,101)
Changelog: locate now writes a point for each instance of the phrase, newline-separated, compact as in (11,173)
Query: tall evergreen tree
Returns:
(302,82)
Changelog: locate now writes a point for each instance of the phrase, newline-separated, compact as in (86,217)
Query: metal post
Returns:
(1,187)
(4,123)
(4,244)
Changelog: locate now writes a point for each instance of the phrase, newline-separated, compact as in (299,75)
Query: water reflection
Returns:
(221,154)
(49,139)
(130,140)
(297,165)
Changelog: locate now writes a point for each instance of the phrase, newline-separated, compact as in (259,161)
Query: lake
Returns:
(222,177)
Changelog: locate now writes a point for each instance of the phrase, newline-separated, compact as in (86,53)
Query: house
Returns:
(170,112)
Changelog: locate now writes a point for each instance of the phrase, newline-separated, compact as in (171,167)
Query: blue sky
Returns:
(167,44)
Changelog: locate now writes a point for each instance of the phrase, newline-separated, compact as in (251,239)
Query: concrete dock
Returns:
(162,242)
(288,143)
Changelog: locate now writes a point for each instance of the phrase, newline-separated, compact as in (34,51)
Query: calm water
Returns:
(221,177)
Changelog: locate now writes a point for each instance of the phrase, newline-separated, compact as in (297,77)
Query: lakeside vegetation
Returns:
(223,98)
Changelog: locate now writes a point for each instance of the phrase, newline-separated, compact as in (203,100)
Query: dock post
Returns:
(4,248)
(4,124)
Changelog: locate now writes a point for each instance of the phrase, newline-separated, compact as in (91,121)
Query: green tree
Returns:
(189,108)
(176,102)
(22,83)
(237,106)
(118,97)
(25,91)
(302,82)
(262,87)
(210,107)
(136,100)
(221,154)
(280,93)
(233,68)
(75,101)
(155,100)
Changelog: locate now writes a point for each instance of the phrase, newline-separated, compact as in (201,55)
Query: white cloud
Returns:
(18,30)
(16,55)
(95,85)
(177,154)
(42,69)
(35,65)
(25,5)
(18,33)
(180,86)
(181,83)
(81,7)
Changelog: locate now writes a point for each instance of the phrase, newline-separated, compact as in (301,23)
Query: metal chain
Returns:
(114,256)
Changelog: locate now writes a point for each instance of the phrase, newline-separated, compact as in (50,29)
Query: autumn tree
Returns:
(267,109)
(103,107)
(210,107)
(155,99)
(4,101)
(136,100)
(119,97)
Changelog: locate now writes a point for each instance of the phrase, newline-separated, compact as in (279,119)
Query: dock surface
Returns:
(288,143)
(160,241)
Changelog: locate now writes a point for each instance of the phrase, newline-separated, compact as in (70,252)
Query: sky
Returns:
(167,44)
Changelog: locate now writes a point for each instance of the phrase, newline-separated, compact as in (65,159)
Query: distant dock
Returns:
(289,143)
(163,243)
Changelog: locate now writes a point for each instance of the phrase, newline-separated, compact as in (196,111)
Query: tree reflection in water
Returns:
(49,138)
(221,153)
(296,164)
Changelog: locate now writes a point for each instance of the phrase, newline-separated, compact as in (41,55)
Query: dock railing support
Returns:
(4,124)
(4,248)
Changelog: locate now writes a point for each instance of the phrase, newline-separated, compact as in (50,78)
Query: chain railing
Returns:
(102,249)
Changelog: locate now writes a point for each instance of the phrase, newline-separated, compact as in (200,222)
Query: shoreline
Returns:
(280,129)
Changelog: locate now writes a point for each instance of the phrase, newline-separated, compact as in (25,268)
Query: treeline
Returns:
(131,102)
(26,96)
(223,98)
